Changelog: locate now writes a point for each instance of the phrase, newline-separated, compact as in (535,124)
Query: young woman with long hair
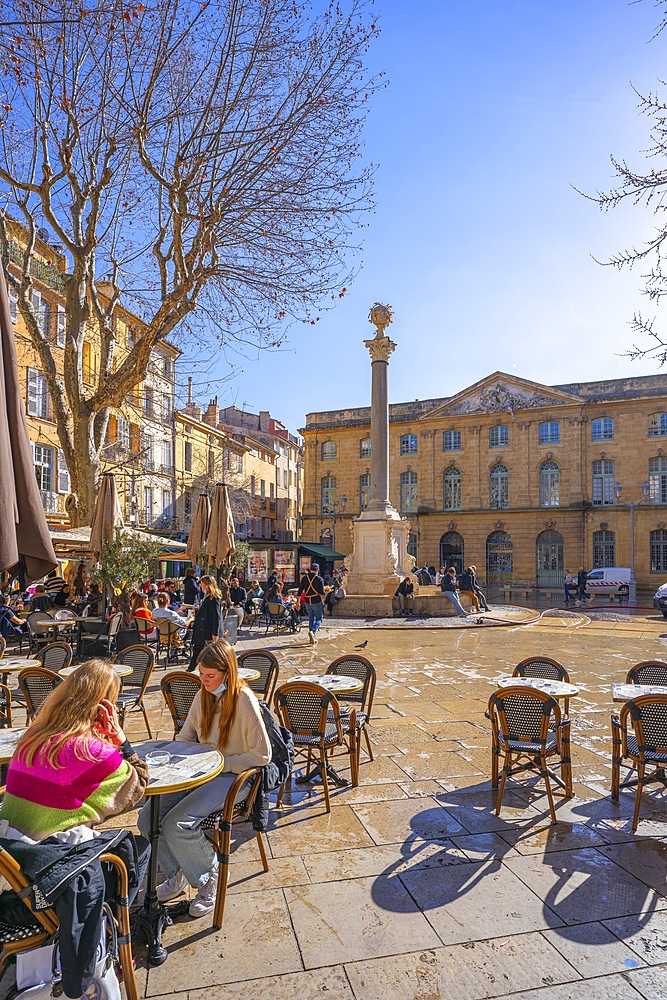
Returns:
(140,609)
(74,765)
(225,715)
(207,625)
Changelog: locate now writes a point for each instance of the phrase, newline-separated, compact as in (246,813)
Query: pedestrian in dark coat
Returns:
(208,624)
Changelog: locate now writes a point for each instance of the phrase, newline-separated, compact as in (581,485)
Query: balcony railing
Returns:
(49,501)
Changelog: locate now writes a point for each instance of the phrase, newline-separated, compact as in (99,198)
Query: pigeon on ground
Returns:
(362,645)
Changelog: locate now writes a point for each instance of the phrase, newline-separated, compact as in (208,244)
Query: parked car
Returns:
(660,599)
(611,580)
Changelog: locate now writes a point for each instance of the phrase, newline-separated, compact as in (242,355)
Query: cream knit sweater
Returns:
(247,744)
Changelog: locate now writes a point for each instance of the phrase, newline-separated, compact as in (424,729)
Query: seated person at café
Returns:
(62,597)
(287,603)
(225,715)
(164,613)
(140,609)
(40,599)
(175,597)
(10,624)
(238,598)
(93,604)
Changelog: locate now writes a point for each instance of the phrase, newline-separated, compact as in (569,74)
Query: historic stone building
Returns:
(516,477)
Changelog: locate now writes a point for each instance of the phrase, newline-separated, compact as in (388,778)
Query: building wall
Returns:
(502,401)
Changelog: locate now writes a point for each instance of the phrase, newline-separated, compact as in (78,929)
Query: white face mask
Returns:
(221,689)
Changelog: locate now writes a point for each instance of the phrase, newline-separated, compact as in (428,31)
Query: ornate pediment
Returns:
(500,394)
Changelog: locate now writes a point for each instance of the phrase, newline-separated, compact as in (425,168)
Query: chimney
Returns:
(264,417)
(212,414)
(189,390)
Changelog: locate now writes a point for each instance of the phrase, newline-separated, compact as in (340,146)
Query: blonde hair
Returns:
(70,712)
(219,655)
(212,584)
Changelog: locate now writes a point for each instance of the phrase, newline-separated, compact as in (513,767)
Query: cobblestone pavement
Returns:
(412,888)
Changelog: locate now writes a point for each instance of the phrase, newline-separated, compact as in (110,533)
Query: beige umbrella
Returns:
(220,545)
(25,545)
(199,529)
(107,515)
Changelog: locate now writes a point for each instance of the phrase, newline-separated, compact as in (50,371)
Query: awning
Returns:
(321,551)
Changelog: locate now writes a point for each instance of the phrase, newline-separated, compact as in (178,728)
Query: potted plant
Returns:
(122,562)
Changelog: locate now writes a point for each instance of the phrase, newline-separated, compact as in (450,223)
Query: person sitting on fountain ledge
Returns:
(449,586)
(406,595)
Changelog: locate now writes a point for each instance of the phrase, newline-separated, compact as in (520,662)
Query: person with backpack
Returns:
(311,589)
(466,587)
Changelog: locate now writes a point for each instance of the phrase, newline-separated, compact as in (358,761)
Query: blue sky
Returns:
(479,242)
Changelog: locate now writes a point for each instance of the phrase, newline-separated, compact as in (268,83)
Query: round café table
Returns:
(190,765)
(122,669)
(14,665)
(624,692)
(557,689)
(249,674)
(8,740)
(333,683)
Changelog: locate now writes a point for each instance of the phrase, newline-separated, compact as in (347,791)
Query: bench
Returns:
(518,587)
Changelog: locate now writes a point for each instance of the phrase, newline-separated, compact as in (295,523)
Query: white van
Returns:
(612,580)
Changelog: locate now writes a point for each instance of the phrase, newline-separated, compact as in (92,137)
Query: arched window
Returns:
(499,487)
(408,492)
(549,485)
(451,551)
(657,480)
(365,448)
(549,432)
(602,429)
(657,425)
(364,490)
(328,493)
(549,559)
(603,483)
(659,551)
(499,437)
(328,451)
(498,559)
(409,444)
(604,549)
(452,489)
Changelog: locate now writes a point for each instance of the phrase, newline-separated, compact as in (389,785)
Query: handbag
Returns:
(38,971)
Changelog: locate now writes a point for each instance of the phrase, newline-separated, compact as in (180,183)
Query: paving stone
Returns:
(307,833)
(474,971)
(437,765)
(483,846)
(249,876)
(592,949)
(607,988)
(362,862)
(329,983)
(646,934)
(475,809)
(650,983)
(568,881)
(396,821)
(357,919)
(477,901)
(645,859)
(553,837)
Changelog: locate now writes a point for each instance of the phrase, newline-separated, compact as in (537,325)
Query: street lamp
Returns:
(335,509)
(632,588)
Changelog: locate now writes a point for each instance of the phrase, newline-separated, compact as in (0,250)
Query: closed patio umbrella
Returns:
(199,529)
(107,515)
(24,532)
(220,545)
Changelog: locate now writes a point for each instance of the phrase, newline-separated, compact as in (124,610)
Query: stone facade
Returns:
(511,475)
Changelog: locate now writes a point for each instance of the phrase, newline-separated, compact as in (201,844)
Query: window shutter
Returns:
(13,304)
(63,473)
(60,327)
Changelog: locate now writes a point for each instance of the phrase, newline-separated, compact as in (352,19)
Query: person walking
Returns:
(191,587)
(569,586)
(466,587)
(207,625)
(481,596)
(582,580)
(449,586)
(311,588)
(406,595)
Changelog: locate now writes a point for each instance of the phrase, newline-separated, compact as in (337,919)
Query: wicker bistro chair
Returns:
(67,615)
(36,684)
(254,616)
(147,630)
(5,707)
(648,672)
(56,656)
(238,806)
(37,639)
(548,669)
(277,617)
(363,670)
(313,716)
(643,744)
(521,718)
(18,938)
(3,646)
(267,664)
(106,636)
(142,661)
(179,690)
(169,641)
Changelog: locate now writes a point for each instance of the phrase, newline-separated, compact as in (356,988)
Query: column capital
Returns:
(380,348)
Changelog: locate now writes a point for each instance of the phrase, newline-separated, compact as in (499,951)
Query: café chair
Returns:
(179,690)
(267,664)
(37,638)
(218,828)
(56,656)
(312,714)
(3,646)
(648,672)
(36,684)
(277,617)
(547,669)
(639,736)
(169,640)
(21,937)
(5,707)
(67,615)
(104,640)
(520,720)
(147,630)
(363,670)
(142,661)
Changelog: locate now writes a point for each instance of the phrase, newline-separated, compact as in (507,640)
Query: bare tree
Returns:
(197,155)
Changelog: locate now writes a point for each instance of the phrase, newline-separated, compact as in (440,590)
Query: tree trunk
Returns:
(85,469)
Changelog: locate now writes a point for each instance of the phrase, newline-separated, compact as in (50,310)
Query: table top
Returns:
(557,689)
(248,674)
(122,669)
(8,740)
(190,765)
(623,692)
(334,683)
(12,664)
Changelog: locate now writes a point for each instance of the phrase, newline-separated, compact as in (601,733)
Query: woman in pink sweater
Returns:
(225,715)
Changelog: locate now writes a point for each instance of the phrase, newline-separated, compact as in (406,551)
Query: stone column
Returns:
(381,348)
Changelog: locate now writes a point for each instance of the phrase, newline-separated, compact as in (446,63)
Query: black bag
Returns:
(277,770)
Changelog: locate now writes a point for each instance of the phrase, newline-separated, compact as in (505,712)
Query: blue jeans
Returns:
(314,612)
(182,845)
(452,596)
